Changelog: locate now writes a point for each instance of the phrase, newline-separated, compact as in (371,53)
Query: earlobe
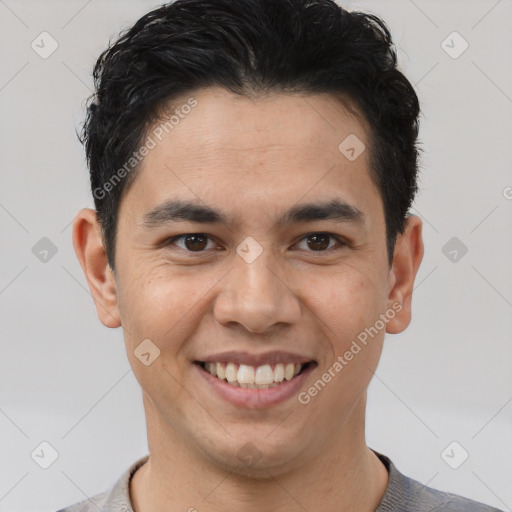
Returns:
(88,245)
(406,261)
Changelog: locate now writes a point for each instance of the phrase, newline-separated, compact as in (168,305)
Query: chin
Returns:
(253,456)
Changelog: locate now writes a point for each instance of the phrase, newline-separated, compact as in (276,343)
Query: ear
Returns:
(88,244)
(406,261)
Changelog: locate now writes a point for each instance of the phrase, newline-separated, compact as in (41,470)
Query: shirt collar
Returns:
(398,489)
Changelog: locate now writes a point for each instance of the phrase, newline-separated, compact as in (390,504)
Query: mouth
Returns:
(263,376)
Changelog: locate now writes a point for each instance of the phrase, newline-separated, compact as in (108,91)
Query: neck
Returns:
(343,475)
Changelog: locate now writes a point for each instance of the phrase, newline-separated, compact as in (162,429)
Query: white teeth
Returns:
(220,371)
(231,372)
(288,371)
(264,375)
(212,367)
(279,373)
(247,376)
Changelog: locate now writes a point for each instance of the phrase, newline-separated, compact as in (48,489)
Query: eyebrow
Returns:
(183,211)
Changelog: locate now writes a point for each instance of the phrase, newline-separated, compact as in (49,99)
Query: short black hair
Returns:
(251,48)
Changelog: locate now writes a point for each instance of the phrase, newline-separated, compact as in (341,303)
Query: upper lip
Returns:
(273,357)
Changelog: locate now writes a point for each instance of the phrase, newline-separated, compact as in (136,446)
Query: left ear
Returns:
(406,261)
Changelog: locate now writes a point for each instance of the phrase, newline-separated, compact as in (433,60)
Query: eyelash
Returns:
(342,243)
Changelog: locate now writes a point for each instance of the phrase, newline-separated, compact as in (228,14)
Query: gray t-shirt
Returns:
(403,494)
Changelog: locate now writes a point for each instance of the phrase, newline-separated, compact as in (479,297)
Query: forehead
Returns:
(221,121)
(242,151)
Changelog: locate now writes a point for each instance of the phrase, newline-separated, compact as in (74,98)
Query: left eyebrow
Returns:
(329,210)
(178,210)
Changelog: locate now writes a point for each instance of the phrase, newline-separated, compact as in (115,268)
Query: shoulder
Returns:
(88,505)
(433,500)
(117,498)
(405,494)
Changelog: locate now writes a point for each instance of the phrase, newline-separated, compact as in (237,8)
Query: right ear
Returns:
(88,244)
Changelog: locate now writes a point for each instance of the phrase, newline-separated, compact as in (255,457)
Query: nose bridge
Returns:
(256,281)
(254,294)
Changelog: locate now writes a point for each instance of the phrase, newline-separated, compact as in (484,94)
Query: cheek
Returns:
(160,309)
(346,301)
(350,308)
(153,305)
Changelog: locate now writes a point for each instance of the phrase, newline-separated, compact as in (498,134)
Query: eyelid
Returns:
(175,238)
(342,242)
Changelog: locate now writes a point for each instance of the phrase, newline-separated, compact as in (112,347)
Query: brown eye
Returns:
(196,242)
(192,242)
(320,242)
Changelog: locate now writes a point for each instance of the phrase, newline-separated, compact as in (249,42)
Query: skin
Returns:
(253,159)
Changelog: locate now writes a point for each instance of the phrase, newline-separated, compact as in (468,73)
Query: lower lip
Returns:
(256,398)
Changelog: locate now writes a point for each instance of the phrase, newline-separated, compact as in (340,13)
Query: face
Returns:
(248,237)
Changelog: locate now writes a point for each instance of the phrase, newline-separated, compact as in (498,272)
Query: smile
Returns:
(256,377)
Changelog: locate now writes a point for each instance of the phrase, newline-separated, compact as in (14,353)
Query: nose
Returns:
(256,296)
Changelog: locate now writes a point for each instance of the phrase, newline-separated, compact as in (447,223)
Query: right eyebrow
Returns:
(177,210)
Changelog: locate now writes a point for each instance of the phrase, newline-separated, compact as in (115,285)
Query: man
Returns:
(253,164)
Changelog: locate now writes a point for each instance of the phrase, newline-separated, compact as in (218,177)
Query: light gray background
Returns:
(65,378)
